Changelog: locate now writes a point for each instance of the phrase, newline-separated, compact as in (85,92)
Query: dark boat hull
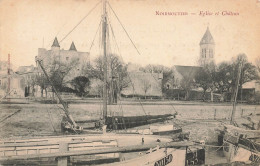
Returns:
(120,122)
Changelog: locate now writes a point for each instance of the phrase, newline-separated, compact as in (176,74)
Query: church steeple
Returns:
(72,47)
(55,43)
(207,38)
(207,49)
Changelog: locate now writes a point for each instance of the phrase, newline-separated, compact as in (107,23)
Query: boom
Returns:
(65,106)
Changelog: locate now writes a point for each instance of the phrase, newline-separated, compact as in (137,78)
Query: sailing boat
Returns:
(240,145)
(108,145)
(109,122)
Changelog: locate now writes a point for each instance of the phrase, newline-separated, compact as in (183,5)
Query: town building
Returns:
(181,75)
(61,56)
(13,84)
(22,82)
(206,57)
(6,82)
(148,85)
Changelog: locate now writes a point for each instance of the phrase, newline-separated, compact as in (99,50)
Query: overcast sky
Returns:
(27,25)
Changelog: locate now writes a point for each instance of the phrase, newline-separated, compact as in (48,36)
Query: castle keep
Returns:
(48,57)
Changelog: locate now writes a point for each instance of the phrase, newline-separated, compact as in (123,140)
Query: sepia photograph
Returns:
(129,82)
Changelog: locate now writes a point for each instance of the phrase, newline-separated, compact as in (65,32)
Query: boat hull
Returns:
(25,148)
(238,149)
(160,157)
(121,122)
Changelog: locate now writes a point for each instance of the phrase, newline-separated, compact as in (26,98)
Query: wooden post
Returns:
(235,94)
(215,113)
(242,111)
(211,96)
(63,147)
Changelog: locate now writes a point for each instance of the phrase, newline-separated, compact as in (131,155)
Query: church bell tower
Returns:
(207,49)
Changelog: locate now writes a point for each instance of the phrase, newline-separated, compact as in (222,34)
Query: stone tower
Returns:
(207,49)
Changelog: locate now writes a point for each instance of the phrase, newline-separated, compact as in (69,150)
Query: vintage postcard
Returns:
(129,82)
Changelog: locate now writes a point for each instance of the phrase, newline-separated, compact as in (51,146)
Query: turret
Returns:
(72,47)
(55,45)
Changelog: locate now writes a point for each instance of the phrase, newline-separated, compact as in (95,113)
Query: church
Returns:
(180,74)
(187,73)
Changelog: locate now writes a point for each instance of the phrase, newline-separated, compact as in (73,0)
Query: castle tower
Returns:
(72,47)
(207,49)
(55,51)
(55,45)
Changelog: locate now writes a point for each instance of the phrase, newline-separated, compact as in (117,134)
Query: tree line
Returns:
(222,78)
(219,78)
(68,77)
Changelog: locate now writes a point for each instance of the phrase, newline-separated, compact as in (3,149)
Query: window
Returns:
(204,52)
(211,53)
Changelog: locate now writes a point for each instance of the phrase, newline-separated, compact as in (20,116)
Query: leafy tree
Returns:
(187,84)
(59,71)
(95,70)
(205,78)
(257,61)
(226,74)
(96,87)
(146,85)
(248,72)
(56,71)
(116,69)
(222,82)
(81,84)
(41,80)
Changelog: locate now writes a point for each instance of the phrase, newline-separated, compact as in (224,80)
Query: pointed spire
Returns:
(72,47)
(207,38)
(55,43)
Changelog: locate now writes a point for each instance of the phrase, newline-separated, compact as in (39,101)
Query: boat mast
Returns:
(65,106)
(104,33)
(235,93)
